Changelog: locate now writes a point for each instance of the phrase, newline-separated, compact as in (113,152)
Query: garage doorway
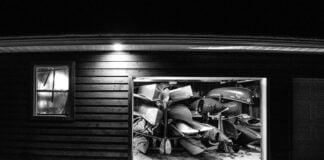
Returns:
(199,118)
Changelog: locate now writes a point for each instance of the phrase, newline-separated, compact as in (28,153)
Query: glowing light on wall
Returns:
(117,47)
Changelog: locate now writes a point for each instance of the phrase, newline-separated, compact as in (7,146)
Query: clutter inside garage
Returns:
(197,118)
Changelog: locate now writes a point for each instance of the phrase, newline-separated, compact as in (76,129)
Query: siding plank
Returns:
(65,138)
(100,80)
(169,65)
(15,156)
(132,72)
(137,65)
(106,87)
(65,153)
(146,57)
(110,57)
(102,110)
(106,102)
(76,124)
(165,57)
(228,71)
(102,117)
(75,146)
(101,94)
(65,131)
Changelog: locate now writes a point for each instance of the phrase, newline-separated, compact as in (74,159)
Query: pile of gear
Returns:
(170,116)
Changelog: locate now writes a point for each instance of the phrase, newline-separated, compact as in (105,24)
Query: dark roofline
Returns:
(160,42)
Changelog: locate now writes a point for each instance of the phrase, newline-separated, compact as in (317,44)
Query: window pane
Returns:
(51,103)
(49,76)
(44,78)
(61,78)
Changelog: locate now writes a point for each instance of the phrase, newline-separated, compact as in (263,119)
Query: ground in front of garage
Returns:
(243,154)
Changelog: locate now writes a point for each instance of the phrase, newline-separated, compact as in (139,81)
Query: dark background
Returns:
(241,18)
(275,19)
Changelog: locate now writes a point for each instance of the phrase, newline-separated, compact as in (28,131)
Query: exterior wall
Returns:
(100,129)
(308,118)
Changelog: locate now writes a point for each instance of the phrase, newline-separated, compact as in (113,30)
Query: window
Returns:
(53,91)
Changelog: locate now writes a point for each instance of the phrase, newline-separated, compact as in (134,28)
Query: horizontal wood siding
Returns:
(100,129)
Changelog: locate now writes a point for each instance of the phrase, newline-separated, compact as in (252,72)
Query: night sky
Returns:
(283,19)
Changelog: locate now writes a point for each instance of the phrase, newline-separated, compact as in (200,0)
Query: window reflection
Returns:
(52,78)
(44,79)
(61,80)
(48,104)
(52,86)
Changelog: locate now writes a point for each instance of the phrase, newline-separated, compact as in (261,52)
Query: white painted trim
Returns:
(200,79)
(264,124)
